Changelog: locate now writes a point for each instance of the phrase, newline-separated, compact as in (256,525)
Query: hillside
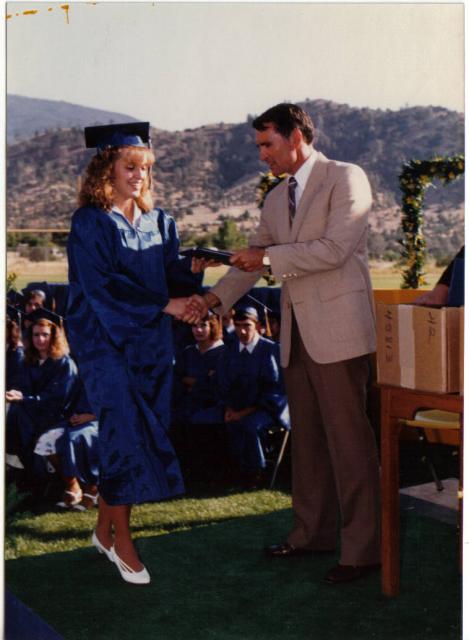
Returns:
(27,117)
(212,171)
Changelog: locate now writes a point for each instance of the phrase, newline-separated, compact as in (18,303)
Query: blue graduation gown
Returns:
(202,403)
(77,448)
(14,362)
(119,278)
(47,392)
(247,380)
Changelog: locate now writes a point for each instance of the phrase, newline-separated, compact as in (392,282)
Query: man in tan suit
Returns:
(312,236)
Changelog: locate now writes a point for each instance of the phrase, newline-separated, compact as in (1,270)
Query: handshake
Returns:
(190,310)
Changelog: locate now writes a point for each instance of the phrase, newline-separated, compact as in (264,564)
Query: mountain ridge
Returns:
(205,174)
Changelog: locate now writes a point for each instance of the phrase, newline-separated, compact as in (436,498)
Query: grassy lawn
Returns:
(384,275)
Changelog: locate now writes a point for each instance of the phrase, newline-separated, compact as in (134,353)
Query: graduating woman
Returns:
(123,263)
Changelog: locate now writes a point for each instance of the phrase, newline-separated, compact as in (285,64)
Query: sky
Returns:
(184,65)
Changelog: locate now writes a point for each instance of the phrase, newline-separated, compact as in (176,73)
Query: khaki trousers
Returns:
(335,471)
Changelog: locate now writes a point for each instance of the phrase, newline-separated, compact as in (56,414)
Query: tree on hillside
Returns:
(229,236)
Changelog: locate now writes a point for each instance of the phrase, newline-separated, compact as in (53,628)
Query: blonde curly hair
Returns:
(97,190)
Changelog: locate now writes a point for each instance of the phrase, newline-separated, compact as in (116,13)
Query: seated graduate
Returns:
(33,299)
(253,393)
(274,321)
(449,290)
(71,447)
(196,402)
(43,394)
(229,334)
(14,357)
(196,394)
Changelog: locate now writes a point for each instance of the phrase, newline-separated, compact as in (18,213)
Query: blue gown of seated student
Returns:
(14,365)
(201,404)
(120,276)
(47,391)
(77,448)
(252,379)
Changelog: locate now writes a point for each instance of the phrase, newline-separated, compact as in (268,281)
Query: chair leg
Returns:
(279,458)
(428,459)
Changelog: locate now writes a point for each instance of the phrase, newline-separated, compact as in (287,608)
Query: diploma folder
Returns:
(208,254)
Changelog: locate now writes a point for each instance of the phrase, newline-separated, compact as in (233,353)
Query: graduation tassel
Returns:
(268,331)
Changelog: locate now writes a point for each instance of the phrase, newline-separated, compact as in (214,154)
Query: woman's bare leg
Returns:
(104,524)
(117,518)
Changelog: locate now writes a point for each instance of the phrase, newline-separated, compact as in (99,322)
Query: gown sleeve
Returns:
(122,305)
(55,390)
(272,395)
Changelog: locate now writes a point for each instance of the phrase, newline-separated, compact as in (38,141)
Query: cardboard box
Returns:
(419,347)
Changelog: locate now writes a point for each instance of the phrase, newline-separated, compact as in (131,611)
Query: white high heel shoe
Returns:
(128,574)
(101,548)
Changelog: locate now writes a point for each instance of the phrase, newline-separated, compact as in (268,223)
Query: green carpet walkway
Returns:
(211,580)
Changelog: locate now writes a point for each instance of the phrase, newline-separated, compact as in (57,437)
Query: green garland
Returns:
(266,183)
(415,178)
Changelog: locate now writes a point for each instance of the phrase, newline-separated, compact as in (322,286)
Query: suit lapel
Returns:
(313,186)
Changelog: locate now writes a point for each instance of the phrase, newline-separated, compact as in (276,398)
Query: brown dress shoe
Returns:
(285,550)
(347,573)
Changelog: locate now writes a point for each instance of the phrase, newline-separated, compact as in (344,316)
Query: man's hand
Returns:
(248,259)
(189,310)
(196,306)
(438,296)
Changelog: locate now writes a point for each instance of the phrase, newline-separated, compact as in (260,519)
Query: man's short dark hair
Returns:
(285,117)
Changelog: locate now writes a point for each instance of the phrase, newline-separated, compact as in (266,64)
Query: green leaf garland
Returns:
(415,178)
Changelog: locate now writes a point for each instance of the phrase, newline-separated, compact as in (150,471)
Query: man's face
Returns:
(246,330)
(34,302)
(278,152)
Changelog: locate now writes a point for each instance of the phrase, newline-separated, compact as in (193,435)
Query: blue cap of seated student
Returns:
(14,314)
(126,134)
(245,313)
(46,314)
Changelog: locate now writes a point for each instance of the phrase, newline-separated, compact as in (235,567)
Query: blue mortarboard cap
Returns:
(244,312)
(127,134)
(15,298)
(14,314)
(39,314)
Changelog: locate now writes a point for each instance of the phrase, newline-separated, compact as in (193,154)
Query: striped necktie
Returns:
(291,197)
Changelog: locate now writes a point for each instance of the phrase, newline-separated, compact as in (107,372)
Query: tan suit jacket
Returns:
(321,260)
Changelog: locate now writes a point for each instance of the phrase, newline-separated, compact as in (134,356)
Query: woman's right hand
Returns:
(189,310)
(13,395)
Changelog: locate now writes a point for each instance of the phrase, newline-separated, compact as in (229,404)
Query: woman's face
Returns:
(129,176)
(201,331)
(41,340)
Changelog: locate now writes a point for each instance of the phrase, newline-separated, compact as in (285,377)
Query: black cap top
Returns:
(127,134)
(14,314)
(39,314)
(15,298)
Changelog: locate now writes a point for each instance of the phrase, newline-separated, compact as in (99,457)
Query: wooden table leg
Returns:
(389,498)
